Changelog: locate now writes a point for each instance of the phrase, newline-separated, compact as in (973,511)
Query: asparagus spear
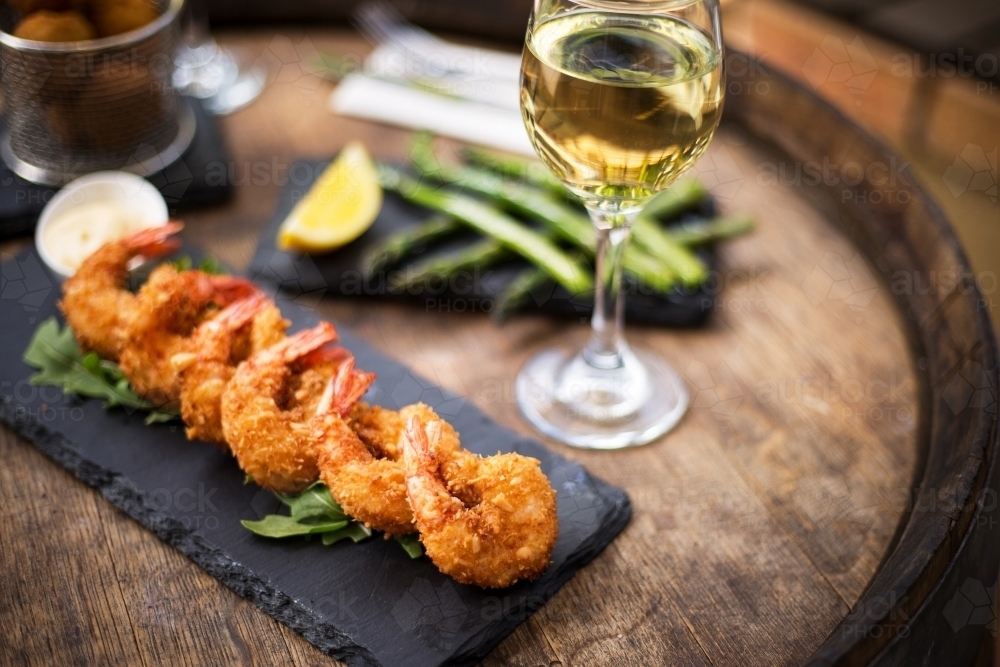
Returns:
(701,232)
(569,223)
(690,234)
(678,197)
(517,292)
(402,243)
(666,204)
(489,252)
(648,234)
(530,170)
(492,223)
(481,254)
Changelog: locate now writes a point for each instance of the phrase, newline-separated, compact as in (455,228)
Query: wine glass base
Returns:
(583,418)
(219,77)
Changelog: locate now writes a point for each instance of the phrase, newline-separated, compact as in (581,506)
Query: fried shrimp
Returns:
(267,406)
(168,309)
(370,487)
(485,521)
(96,301)
(382,429)
(217,347)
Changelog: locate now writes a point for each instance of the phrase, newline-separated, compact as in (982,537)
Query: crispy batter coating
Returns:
(382,429)
(217,348)
(96,301)
(488,521)
(55,26)
(113,17)
(168,309)
(369,488)
(366,475)
(266,409)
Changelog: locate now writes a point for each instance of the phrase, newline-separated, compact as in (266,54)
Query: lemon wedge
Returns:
(340,206)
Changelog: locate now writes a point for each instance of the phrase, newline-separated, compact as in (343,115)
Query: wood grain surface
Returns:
(758,522)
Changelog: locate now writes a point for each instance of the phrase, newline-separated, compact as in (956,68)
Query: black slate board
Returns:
(197,178)
(340,274)
(367,603)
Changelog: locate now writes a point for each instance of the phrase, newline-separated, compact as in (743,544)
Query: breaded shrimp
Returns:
(370,488)
(485,521)
(168,309)
(96,302)
(382,429)
(266,410)
(217,347)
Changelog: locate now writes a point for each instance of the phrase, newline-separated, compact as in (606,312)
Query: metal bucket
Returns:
(75,108)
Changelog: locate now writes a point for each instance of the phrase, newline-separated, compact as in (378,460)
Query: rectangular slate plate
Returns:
(366,603)
(340,273)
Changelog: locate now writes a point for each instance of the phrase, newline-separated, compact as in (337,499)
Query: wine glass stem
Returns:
(604,350)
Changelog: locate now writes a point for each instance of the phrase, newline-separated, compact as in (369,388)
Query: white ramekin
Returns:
(131,191)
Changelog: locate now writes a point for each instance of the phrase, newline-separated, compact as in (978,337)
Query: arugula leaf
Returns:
(275,525)
(209,264)
(411,545)
(54,352)
(316,511)
(354,531)
(315,501)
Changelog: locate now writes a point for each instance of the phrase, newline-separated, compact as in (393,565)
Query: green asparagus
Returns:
(517,292)
(490,222)
(531,171)
(402,243)
(675,199)
(701,232)
(481,254)
(569,223)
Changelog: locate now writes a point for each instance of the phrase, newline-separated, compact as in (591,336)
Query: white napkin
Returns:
(477,102)
(398,104)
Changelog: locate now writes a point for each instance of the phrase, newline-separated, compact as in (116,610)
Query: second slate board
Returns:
(366,603)
(340,273)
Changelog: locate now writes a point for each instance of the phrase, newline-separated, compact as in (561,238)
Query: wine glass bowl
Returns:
(619,97)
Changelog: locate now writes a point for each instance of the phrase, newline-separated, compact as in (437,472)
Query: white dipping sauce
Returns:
(73,236)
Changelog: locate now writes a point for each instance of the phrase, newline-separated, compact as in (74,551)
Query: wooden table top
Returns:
(757,523)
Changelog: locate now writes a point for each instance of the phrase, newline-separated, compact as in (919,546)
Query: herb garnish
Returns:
(56,355)
(54,352)
(316,512)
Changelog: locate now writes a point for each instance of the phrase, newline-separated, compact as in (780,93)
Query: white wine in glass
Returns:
(620,97)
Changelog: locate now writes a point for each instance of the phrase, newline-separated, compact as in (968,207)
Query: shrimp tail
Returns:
(154,241)
(241,312)
(231,288)
(416,449)
(304,342)
(430,499)
(327,354)
(345,389)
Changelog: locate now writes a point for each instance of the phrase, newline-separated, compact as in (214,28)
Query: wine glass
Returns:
(220,78)
(620,97)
